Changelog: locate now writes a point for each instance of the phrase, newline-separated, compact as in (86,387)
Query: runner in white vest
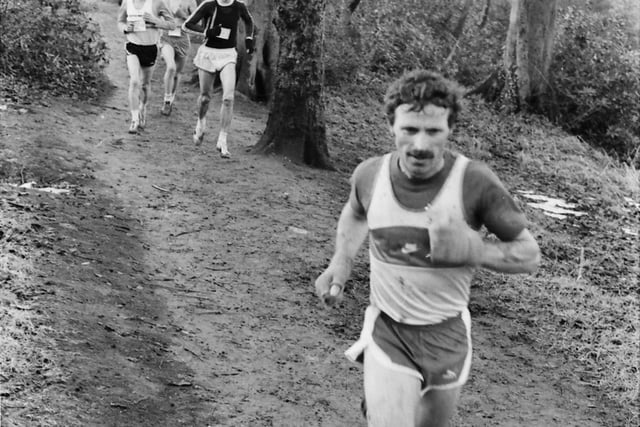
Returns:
(141,22)
(422,206)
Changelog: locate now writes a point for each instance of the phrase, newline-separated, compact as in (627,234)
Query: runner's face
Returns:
(421,138)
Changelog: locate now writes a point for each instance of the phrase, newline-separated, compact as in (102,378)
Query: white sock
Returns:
(200,125)
(168,97)
(135,115)
(222,141)
(222,136)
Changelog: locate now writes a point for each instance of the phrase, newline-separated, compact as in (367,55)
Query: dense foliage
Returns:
(595,73)
(596,77)
(50,45)
(390,37)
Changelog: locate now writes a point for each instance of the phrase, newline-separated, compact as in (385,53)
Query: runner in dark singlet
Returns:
(218,21)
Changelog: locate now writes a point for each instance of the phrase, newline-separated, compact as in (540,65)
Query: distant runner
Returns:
(174,47)
(218,20)
(141,22)
(422,206)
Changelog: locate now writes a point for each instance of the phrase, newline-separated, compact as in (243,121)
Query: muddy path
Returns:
(174,288)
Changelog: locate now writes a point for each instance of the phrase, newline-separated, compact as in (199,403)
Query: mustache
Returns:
(422,154)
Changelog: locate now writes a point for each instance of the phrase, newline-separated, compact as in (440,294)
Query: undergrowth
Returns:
(59,49)
(25,349)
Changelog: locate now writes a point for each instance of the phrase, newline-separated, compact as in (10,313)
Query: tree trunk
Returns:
(296,124)
(528,52)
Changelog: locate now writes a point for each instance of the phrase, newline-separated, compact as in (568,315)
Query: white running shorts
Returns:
(214,60)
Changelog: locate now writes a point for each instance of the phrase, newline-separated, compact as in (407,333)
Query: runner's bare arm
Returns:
(520,255)
(163,18)
(123,27)
(352,229)
(454,243)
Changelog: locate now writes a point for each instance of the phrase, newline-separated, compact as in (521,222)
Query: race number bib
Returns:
(224,33)
(174,33)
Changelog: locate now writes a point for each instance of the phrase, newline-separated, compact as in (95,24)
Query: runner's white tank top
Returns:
(404,283)
(174,5)
(142,34)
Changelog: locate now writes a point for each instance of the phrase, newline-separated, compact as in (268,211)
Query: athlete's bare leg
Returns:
(206,80)
(175,64)
(170,77)
(393,398)
(135,85)
(146,72)
(228,80)
(180,61)
(437,407)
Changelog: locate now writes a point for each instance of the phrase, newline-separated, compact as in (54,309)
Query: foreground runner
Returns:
(422,206)
(140,21)
(218,55)
(174,47)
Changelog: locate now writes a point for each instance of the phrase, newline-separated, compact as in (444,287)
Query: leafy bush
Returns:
(595,70)
(388,37)
(400,36)
(51,45)
(596,76)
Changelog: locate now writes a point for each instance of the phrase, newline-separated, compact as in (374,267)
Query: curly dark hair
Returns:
(420,88)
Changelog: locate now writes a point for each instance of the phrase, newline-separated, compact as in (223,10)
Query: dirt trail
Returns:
(177,285)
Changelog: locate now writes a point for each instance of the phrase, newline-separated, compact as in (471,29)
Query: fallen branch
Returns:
(161,189)
(221,268)
(194,353)
(182,233)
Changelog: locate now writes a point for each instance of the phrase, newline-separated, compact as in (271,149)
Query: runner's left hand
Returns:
(454,243)
(250,46)
(151,19)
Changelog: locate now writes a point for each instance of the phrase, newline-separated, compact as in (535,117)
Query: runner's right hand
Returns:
(329,290)
(214,32)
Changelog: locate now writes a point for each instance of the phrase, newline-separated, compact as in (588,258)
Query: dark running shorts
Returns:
(438,352)
(146,54)
(439,355)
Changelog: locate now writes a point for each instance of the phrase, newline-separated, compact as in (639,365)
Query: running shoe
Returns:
(166,108)
(221,145)
(198,135)
(135,126)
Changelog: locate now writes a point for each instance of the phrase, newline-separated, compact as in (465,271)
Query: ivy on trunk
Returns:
(296,125)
